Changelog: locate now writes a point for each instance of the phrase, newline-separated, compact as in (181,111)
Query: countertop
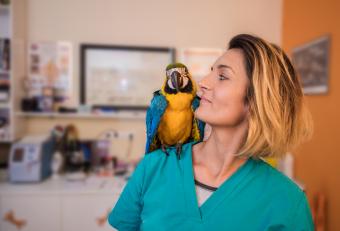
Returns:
(92,184)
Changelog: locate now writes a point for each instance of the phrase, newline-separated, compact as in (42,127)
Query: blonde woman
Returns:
(253,101)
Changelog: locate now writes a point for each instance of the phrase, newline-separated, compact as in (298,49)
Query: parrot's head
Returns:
(178,79)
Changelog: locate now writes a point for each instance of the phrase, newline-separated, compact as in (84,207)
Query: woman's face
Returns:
(223,91)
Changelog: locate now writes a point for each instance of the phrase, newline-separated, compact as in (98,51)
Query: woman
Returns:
(253,101)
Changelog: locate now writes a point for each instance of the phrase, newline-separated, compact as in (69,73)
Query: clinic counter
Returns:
(89,185)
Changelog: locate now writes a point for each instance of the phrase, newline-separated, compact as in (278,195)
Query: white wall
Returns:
(185,23)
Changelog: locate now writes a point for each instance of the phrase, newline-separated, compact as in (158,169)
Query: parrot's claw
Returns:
(164,149)
(178,150)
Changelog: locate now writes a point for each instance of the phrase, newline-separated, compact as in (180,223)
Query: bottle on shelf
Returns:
(4,55)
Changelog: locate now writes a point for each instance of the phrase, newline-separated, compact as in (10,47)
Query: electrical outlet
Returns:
(110,135)
(125,135)
(115,134)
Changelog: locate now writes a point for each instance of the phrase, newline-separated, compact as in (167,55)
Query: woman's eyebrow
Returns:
(220,66)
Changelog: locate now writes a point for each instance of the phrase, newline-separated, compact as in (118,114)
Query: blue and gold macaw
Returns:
(170,118)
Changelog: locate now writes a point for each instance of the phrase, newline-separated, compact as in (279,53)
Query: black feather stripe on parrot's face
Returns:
(188,88)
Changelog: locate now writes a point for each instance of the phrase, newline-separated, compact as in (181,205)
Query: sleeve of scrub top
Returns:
(125,216)
(302,221)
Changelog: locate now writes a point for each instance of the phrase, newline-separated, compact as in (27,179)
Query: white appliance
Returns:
(30,159)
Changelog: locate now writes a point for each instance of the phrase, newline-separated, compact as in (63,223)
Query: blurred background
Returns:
(76,77)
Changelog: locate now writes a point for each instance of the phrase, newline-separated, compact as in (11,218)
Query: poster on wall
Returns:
(199,60)
(50,70)
(311,61)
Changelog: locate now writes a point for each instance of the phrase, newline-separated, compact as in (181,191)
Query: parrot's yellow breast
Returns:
(176,123)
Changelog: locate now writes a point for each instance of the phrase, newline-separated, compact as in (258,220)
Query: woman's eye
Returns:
(222,77)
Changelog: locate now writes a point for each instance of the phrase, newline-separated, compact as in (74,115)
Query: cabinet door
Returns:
(87,212)
(30,213)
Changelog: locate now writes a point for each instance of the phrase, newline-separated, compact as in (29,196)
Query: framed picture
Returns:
(122,77)
(312,64)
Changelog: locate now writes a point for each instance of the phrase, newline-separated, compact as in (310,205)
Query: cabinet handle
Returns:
(10,217)
(102,220)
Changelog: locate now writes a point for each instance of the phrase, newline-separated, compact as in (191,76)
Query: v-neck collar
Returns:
(223,191)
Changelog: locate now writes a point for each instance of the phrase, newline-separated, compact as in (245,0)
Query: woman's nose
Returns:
(202,86)
(204,83)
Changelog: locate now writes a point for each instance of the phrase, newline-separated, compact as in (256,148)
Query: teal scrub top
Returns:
(160,195)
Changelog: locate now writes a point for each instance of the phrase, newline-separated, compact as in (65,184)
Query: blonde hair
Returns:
(278,118)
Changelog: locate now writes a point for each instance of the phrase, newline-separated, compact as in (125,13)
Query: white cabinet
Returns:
(87,212)
(30,213)
(59,205)
(55,213)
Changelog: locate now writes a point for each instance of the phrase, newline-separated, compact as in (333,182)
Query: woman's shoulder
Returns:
(275,181)
(284,200)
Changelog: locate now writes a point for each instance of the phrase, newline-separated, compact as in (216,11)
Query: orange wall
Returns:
(318,161)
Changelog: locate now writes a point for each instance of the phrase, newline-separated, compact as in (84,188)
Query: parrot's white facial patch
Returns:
(170,84)
(185,81)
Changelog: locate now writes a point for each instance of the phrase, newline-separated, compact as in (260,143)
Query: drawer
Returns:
(87,212)
(30,213)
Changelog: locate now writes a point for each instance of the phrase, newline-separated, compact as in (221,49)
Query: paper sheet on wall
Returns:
(50,66)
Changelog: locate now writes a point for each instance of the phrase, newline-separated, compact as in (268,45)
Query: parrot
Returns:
(170,117)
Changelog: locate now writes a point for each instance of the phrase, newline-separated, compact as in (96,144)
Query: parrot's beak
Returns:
(176,80)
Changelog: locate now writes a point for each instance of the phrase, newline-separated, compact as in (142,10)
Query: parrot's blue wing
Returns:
(153,117)
(197,133)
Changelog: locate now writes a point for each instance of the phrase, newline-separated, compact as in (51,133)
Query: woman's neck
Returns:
(215,158)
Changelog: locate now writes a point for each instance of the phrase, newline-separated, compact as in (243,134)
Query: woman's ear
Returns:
(247,102)
(247,111)
(246,107)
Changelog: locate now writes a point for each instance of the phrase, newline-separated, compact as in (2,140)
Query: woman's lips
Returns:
(205,100)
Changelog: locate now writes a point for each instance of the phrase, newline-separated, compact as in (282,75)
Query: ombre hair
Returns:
(278,118)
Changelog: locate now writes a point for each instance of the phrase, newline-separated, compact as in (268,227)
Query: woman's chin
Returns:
(199,114)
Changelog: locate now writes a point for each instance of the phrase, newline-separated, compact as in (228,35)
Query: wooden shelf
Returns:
(112,115)
(13,18)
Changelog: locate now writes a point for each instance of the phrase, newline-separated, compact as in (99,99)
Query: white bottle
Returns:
(56,165)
